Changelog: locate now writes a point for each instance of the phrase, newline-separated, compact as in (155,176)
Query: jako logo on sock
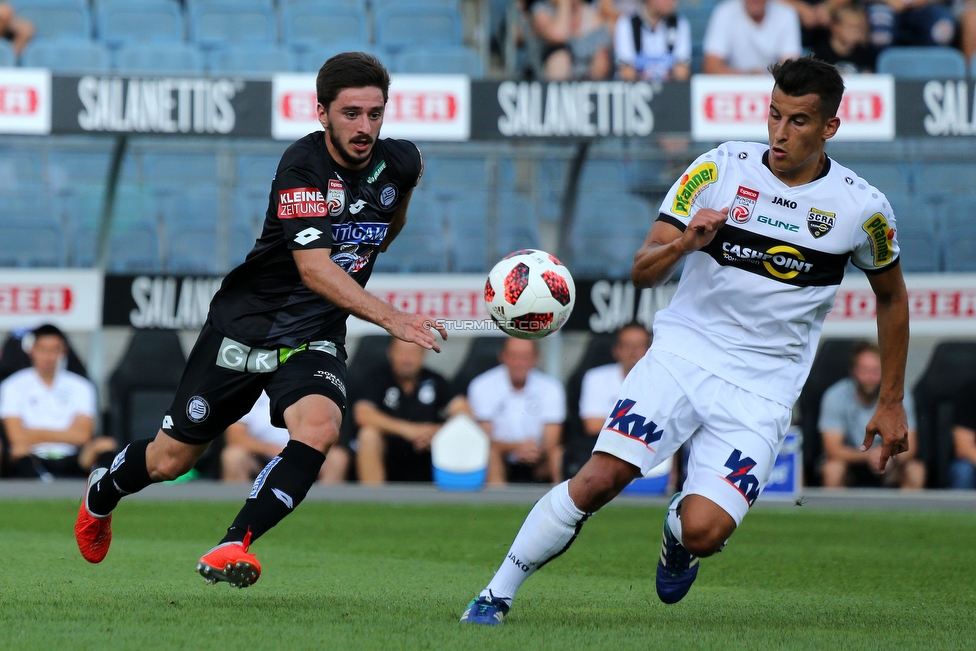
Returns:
(259,482)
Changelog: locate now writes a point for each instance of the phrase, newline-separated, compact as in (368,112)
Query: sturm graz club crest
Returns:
(820,222)
(197,409)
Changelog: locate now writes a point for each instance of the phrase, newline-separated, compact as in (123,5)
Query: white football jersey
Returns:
(750,305)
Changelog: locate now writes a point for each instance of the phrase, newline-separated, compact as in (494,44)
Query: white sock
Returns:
(548,531)
(674,521)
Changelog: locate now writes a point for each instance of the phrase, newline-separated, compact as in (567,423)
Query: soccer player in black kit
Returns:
(278,322)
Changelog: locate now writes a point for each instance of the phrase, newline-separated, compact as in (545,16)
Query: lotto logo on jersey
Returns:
(691,185)
(301,202)
(881,235)
(745,201)
(634,425)
(741,476)
(820,222)
(335,198)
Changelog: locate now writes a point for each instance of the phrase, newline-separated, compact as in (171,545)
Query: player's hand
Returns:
(702,228)
(417,329)
(423,434)
(891,424)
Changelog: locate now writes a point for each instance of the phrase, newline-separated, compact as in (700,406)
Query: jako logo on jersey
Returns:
(740,477)
(308,235)
(301,202)
(691,185)
(781,261)
(775,223)
(745,201)
(335,198)
(359,233)
(634,426)
(819,222)
(881,235)
(376,172)
(356,207)
(779,201)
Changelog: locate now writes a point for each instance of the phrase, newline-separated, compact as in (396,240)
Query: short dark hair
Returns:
(633,324)
(350,70)
(810,76)
(49,330)
(858,348)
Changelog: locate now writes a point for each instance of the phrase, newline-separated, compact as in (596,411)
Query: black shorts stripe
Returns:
(775,259)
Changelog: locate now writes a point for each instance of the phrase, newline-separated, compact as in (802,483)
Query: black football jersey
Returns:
(315,203)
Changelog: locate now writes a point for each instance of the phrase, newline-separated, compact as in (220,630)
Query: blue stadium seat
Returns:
(420,247)
(454,172)
(7,57)
(456,59)
(240,241)
(31,245)
(190,249)
(466,217)
(68,55)
(891,178)
(942,178)
(249,207)
(160,58)
(253,59)
(379,5)
(70,168)
(133,249)
(607,231)
(256,169)
(180,168)
(605,174)
(917,231)
(928,62)
(56,19)
(192,206)
(122,22)
(516,225)
(311,59)
(305,23)
(398,27)
(19,167)
(550,183)
(218,24)
(959,233)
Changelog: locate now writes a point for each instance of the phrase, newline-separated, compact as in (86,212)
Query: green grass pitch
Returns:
(354,576)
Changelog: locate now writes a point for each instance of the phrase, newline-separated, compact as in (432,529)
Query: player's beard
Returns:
(351,160)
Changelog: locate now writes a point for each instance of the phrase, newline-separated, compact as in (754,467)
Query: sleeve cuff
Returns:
(674,221)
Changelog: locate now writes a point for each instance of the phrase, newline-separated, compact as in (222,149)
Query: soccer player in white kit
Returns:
(766,233)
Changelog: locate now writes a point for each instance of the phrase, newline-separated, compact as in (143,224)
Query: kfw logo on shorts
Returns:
(631,425)
(740,478)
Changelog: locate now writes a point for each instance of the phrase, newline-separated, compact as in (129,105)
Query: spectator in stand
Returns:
(573,40)
(815,16)
(746,36)
(962,473)
(403,407)
(601,385)
(49,415)
(848,47)
(845,410)
(965,11)
(910,22)
(653,44)
(522,409)
(16,29)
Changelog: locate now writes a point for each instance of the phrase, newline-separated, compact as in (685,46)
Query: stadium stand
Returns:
(398,27)
(159,58)
(306,23)
(922,62)
(7,57)
(219,23)
(251,59)
(457,59)
(57,19)
(122,22)
(68,56)
(951,366)
(960,233)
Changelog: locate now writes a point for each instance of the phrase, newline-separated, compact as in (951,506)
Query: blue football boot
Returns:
(677,568)
(487,611)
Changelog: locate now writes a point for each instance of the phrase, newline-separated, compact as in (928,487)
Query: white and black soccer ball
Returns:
(529,294)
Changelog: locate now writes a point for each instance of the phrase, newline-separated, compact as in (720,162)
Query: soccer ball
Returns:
(529,294)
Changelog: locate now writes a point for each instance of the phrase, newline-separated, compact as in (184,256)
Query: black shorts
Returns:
(223,378)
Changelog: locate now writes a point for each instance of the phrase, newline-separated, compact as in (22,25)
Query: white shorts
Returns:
(734,435)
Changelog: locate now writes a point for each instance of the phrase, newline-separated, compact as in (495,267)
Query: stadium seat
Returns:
(609,175)
(27,244)
(922,63)
(453,172)
(159,58)
(379,5)
(221,23)
(917,228)
(305,23)
(312,58)
(240,241)
(190,206)
(516,226)
(137,399)
(68,55)
(7,57)
(253,59)
(180,168)
(952,365)
(67,169)
(249,207)
(577,445)
(832,363)
(122,22)
(399,27)
(421,246)
(942,178)
(466,217)
(19,167)
(57,19)
(959,233)
(256,168)
(190,248)
(13,358)
(133,248)
(457,59)
(891,177)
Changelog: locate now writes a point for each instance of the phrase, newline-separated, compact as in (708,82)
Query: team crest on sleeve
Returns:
(691,185)
(880,235)
(335,198)
(745,201)
(820,222)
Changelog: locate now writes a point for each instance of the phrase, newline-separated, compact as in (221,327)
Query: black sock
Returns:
(128,474)
(104,460)
(280,487)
